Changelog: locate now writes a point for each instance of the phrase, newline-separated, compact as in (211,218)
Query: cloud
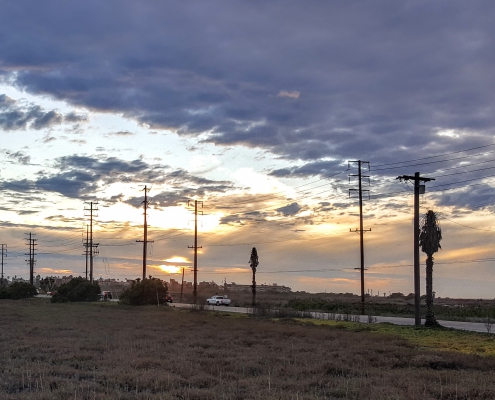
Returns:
(73,117)
(122,133)
(323,168)
(79,176)
(15,116)
(368,84)
(293,95)
(19,156)
(48,139)
(290,209)
(380,81)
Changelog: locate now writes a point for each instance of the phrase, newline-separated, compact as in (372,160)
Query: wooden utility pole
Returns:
(4,253)
(86,249)
(145,240)
(418,189)
(361,230)
(195,247)
(182,286)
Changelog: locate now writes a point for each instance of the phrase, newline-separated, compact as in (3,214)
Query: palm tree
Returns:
(253,262)
(429,239)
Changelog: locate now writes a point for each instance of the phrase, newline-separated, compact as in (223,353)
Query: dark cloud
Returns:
(480,196)
(245,218)
(185,189)
(48,139)
(73,117)
(314,82)
(15,116)
(305,81)
(19,156)
(323,168)
(27,212)
(22,185)
(81,176)
(289,209)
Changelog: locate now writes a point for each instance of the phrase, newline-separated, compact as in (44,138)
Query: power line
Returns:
(428,163)
(439,155)
(466,226)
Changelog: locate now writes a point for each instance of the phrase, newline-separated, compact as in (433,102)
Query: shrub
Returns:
(18,290)
(77,289)
(144,292)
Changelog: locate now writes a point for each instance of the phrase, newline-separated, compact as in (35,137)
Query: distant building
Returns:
(274,288)
(208,285)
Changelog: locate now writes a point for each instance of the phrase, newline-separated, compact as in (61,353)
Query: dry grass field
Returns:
(108,351)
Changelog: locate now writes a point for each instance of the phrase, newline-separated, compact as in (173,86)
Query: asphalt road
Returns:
(466,326)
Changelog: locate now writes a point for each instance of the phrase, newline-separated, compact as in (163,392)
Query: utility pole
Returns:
(361,230)
(195,247)
(4,253)
(93,247)
(31,261)
(86,249)
(418,189)
(182,286)
(145,240)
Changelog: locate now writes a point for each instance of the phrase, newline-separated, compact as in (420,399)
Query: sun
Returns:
(170,269)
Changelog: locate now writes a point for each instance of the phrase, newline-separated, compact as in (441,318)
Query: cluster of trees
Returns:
(152,291)
(77,289)
(18,290)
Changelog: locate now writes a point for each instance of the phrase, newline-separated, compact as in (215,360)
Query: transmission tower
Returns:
(31,243)
(93,247)
(145,240)
(195,247)
(418,189)
(361,230)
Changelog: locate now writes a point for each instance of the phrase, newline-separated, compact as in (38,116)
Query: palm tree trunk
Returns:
(430,316)
(254,288)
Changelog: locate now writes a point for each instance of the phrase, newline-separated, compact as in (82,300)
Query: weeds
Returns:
(94,351)
(488,324)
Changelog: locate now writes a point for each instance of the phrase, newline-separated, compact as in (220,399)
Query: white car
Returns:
(218,301)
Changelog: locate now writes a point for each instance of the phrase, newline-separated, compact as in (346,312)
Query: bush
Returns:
(18,290)
(144,292)
(77,289)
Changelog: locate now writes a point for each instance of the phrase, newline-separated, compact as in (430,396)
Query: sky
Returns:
(256,110)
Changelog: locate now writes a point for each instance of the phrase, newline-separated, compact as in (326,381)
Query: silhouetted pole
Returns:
(31,260)
(92,246)
(87,249)
(4,252)
(145,240)
(361,229)
(417,277)
(418,189)
(182,286)
(195,285)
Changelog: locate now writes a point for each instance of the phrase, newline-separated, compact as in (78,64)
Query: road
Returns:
(466,326)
